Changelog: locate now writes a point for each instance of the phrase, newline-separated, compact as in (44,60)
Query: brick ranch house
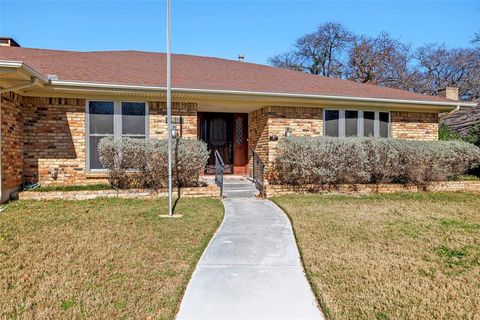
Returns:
(56,106)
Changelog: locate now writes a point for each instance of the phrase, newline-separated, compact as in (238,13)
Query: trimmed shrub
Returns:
(327,160)
(124,159)
(144,163)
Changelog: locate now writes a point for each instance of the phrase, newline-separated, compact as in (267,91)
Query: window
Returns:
(384,124)
(348,123)
(351,123)
(133,119)
(331,123)
(113,119)
(368,124)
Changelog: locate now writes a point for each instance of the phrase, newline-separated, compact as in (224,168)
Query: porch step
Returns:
(240,194)
(239,188)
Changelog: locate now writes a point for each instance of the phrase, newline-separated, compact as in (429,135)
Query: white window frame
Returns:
(117,126)
(360,122)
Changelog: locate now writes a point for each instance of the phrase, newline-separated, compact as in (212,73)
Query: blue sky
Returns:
(259,29)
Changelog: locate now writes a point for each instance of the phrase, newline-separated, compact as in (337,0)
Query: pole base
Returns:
(174,216)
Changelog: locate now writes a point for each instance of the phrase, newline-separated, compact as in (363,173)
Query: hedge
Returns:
(143,163)
(330,161)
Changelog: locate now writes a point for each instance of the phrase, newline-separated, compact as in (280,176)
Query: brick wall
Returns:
(258,135)
(55,137)
(158,116)
(51,149)
(414,125)
(54,140)
(300,121)
(272,121)
(12,141)
(354,189)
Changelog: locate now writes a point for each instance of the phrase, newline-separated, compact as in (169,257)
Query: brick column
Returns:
(12,143)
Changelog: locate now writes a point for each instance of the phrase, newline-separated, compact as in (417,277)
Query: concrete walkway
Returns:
(251,269)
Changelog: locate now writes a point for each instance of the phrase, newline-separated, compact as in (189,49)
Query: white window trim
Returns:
(360,122)
(117,127)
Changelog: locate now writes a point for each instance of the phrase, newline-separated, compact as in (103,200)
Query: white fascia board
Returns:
(80,84)
(25,67)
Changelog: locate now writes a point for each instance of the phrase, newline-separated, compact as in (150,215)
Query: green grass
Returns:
(91,187)
(100,259)
(397,256)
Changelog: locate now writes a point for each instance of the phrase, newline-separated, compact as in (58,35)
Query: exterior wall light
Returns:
(288,132)
(174,131)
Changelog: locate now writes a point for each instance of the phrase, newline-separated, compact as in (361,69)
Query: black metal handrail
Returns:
(219,170)
(258,171)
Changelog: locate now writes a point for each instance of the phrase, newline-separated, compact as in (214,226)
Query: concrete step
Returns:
(242,186)
(240,194)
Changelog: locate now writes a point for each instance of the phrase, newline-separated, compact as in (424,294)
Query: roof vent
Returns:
(52,77)
(241,57)
(8,42)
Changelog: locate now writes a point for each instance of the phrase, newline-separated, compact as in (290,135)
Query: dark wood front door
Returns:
(227,134)
(240,147)
(217,134)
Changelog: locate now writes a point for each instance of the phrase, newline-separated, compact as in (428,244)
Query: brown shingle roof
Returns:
(147,68)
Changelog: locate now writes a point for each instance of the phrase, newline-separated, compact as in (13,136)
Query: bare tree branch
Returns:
(321,52)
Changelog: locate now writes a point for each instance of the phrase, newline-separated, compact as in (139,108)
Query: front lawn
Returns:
(399,256)
(100,259)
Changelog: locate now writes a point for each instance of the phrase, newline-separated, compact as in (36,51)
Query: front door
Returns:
(240,148)
(217,134)
(226,133)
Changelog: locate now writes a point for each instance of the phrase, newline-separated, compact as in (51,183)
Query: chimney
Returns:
(8,42)
(450,93)
(241,57)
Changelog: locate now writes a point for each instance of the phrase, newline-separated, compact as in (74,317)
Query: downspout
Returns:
(33,82)
(450,112)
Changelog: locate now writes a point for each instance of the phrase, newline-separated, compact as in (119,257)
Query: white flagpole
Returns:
(169,114)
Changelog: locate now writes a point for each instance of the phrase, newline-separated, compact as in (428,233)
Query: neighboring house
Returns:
(56,106)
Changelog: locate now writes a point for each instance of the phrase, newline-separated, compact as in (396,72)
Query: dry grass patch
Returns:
(100,259)
(400,256)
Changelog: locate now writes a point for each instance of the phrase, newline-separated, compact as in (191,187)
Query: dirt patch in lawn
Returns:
(100,259)
(399,256)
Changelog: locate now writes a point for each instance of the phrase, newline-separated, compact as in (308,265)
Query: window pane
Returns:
(101,117)
(384,120)
(351,123)
(133,118)
(368,123)
(331,123)
(94,158)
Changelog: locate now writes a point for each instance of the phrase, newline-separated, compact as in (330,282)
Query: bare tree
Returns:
(439,67)
(333,51)
(380,60)
(287,60)
(476,39)
(321,52)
